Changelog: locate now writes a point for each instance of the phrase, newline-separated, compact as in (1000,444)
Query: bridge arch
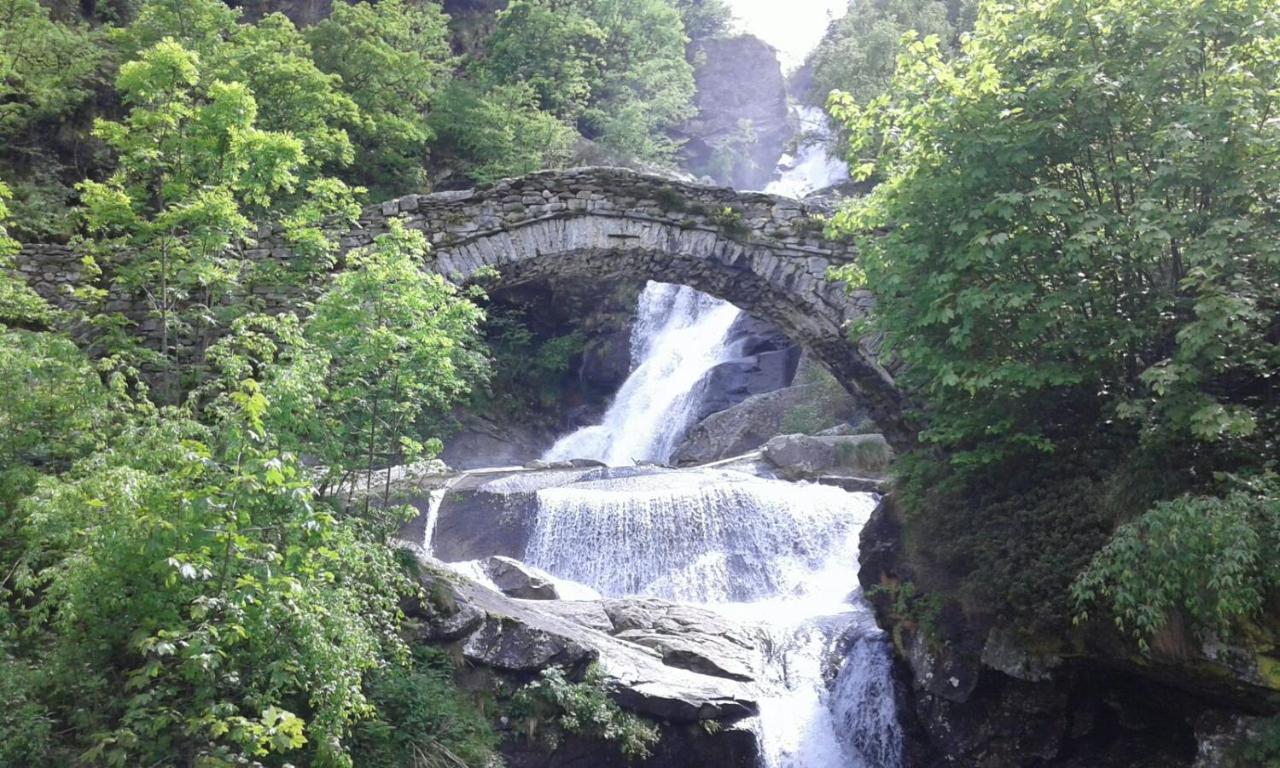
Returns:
(763,253)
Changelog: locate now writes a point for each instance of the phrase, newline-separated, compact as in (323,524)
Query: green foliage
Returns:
(46,69)
(528,370)
(18,303)
(1262,749)
(192,167)
(616,69)
(864,455)
(554,702)
(399,341)
(271,59)
(858,54)
(551,47)
(48,72)
(909,607)
(500,132)
(423,720)
(1059,252)
(730,220)
(392,57)
(1211,560)
(705,19)
(232,616)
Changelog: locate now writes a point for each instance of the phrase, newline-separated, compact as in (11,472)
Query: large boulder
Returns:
(688,637)
(751,423)
(742,122)
(515,579)
(806,457)
(519,636)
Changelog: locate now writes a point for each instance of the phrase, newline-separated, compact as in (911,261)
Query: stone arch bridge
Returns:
(766,254)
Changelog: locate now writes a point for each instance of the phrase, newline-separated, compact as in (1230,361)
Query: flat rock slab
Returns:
(527,636)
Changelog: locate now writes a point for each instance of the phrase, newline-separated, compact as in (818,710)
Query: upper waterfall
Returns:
(679,335)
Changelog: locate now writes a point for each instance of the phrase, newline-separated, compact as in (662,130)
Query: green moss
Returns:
(1269,670)
(669,199)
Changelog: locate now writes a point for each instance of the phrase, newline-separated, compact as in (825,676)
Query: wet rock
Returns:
(754,421)
(520,636)
(687,637)
(485,514)
(586,613)
(483,443)
(512,645)
(515,579)
(807,457)
(606,361)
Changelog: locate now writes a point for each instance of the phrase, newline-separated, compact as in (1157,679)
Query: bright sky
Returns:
(794,27)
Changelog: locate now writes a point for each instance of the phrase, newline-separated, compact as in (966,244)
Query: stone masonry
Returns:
(764,253)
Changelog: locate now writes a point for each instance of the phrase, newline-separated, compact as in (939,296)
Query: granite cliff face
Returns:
(742,123)
(977,691)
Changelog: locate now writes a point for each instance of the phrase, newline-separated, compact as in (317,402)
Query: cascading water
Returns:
(775,555)
(678,337)
(778,556)
(812,168)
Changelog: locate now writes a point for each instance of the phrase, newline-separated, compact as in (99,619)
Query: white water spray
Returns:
(812,168)
(770,554)
(679,336)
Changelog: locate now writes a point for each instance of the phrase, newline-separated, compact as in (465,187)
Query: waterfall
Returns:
(775,555)
(812,168)
(679,336)
(863,704)
(707,535)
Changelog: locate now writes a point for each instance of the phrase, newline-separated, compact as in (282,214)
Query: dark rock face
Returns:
(750,424)
(606,360)
(516,579)
(483,443)
(679,746)
(742,124)
(972,693)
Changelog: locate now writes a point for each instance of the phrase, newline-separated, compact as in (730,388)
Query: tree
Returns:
(705,19)
(192,169)
(399,342)
(272,60)
(617,69)
(48,71)
(1077,223)
(554,50)
(393,58)
(859,51)
(501,132)
(1075,251)
(197,603)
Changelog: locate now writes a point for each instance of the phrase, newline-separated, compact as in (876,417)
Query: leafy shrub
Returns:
(1261,749)
(1210,558)
(581,708)
(423,720)
(1009,549)
(730,220)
